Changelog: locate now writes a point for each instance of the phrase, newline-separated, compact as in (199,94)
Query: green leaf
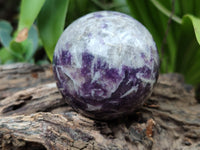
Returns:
(27,49)
(23,51)
(188,49)
(17,47)
(196,24)
(29,10)
(5,33)
(33,36)
(5,56)
(51,21)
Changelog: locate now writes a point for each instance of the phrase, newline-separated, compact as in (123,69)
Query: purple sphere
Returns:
(105,64)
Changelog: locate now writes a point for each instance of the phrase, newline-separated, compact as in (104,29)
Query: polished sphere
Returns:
(105,64)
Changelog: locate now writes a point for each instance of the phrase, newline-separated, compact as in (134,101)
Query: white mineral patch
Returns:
(145,80)
(96,76)
(133,89)
(74,76)
(91,107)
(121,42)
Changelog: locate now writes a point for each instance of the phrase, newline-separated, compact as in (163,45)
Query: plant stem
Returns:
(166,11)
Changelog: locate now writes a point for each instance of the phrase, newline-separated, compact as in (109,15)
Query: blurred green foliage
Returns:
(174,25)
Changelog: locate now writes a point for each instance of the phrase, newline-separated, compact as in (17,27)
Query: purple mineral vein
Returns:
(87,59)
(65,57)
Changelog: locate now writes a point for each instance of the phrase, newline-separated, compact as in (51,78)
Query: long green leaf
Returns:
(51,21)
(29,10)
(196,25)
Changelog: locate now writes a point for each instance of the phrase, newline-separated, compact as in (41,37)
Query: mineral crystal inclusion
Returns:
(105,64)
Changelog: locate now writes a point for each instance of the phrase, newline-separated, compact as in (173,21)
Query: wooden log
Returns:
(33,116)
(20,76)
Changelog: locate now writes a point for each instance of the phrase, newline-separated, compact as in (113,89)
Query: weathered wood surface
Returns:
(33,116)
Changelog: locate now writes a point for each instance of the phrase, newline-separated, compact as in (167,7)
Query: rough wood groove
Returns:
(33,116)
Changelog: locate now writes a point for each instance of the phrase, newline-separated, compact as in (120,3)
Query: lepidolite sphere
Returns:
(105,64)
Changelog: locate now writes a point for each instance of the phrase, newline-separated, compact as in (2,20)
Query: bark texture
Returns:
(33,116)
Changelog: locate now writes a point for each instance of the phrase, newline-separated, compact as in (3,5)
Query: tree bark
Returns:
(33,116)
